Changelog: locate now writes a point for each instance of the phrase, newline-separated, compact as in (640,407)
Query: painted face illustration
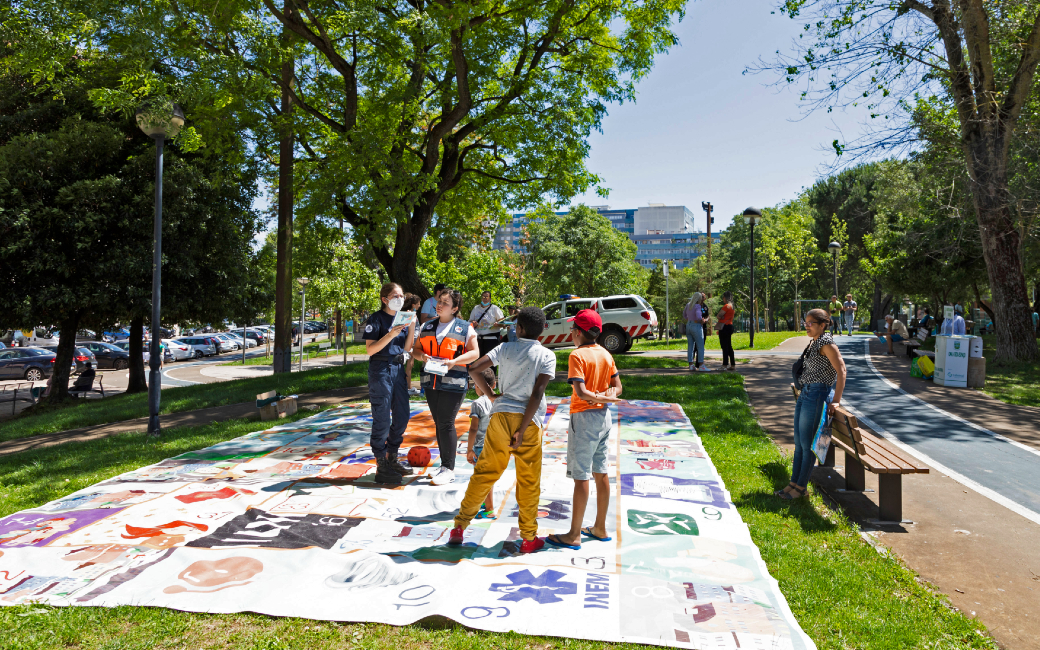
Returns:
(207,576)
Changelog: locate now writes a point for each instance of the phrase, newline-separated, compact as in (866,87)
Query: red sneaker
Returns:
(456,536)
(532,545)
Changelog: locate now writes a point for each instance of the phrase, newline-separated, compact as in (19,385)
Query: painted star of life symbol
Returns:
(546,588)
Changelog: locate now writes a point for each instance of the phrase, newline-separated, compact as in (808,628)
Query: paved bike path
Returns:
(1008,471)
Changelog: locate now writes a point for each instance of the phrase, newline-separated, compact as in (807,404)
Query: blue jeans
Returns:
(811,404)
(388,393)
(695,341)
(849,316)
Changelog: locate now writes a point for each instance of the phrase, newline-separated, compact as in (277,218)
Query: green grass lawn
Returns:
(83,413)
(763,341)
(844,593)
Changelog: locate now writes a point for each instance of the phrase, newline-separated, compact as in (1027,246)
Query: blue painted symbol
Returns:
(546,588)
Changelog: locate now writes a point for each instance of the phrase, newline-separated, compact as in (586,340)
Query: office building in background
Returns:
(660,232)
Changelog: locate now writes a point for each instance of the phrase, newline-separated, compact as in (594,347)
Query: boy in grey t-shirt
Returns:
(515,429)
(479,417)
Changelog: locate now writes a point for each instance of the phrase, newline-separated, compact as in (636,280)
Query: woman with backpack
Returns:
(821,373)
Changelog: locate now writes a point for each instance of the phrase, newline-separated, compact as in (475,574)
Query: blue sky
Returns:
(701,130)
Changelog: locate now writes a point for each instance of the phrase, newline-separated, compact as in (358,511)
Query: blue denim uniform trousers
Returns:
(811,404)
(694,342)
(388,392)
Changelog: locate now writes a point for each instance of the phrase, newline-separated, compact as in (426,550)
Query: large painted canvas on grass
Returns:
(289,522)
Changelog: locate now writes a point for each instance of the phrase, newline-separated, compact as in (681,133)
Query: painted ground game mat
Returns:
(288,522)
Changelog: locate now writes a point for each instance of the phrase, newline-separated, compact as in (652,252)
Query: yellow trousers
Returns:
(494,460)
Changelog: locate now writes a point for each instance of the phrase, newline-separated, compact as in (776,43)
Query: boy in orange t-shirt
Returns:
(595,382)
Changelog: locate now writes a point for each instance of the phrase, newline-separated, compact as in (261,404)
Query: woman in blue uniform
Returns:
(388,383)
(452,341)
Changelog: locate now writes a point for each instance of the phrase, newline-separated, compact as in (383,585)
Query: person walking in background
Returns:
(835,311)
(849,308)
(694,332)
(483,317)
(823,381)
(446,345)
(387,383)
(411,303)
(429,308)
(725,319)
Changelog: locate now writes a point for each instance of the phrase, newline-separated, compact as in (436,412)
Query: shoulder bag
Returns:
(796,368)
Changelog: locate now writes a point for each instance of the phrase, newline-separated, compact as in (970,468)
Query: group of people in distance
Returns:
(504,425)
(699,328)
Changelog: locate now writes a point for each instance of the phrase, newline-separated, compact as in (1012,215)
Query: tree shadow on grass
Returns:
(779,474)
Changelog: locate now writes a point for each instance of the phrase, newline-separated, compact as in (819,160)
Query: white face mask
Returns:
(395,304)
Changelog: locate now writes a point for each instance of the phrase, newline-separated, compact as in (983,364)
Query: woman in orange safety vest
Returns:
(450,343)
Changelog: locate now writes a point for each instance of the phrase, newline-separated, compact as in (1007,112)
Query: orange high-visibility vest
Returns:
(452,346)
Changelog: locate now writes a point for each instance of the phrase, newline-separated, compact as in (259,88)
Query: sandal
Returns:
(787,496)
(554,540)
(784,489)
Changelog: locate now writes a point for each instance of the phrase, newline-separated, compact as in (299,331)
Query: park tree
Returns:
(580,252)
(971,62)
(790,244)
(76,208)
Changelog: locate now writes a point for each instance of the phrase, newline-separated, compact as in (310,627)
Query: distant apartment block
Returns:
(660,232)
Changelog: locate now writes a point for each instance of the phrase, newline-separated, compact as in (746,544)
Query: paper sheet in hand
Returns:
(403,318)
(436,366)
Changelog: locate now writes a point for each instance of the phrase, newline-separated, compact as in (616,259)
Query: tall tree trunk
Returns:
(875,306)
(1001,247)
(138,384)
(283,300)
(982,305)
(63,361)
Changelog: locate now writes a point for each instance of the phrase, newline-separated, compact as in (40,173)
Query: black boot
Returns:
(385,472)
(396,465)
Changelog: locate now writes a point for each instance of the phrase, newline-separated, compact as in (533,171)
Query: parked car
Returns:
(227,343)
(109,355)
(30,364)
(237,336)
(147,353)
(179,349)
(200,346)
(625,318)
(84,359)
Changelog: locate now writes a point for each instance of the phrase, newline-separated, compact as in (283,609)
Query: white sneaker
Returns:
(443,477)
(693,366)
(704,369)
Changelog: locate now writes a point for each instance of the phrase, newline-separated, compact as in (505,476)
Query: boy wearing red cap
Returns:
(595,382)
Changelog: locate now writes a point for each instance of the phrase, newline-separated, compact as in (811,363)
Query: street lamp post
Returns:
(753,216)
(834,247)
(303,311)
(158,120)
(667,319)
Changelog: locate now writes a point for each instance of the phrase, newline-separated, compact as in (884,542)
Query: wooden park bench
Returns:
(865,450)
(325,347)
(79,389)
(20,392)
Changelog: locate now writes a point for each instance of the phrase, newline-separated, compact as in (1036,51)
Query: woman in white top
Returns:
(483,317)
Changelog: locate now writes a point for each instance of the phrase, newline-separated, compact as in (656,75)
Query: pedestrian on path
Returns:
(823,381)
(387,383)
(835,310)
(725,323)
(694,332)
(484,317)
(850,308)
(429,308)
(446,346)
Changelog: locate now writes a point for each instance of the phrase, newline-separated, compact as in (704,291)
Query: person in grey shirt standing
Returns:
(849,307)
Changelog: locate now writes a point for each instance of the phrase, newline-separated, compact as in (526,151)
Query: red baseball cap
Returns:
(588,320)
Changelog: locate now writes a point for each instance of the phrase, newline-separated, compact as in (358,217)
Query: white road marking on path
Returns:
(992,495)
(870,364)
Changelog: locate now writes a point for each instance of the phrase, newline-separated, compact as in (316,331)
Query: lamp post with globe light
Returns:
(303,311)
(834,247)
(159,120)
(753,216)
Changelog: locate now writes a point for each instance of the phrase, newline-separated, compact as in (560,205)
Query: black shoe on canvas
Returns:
(385,473)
